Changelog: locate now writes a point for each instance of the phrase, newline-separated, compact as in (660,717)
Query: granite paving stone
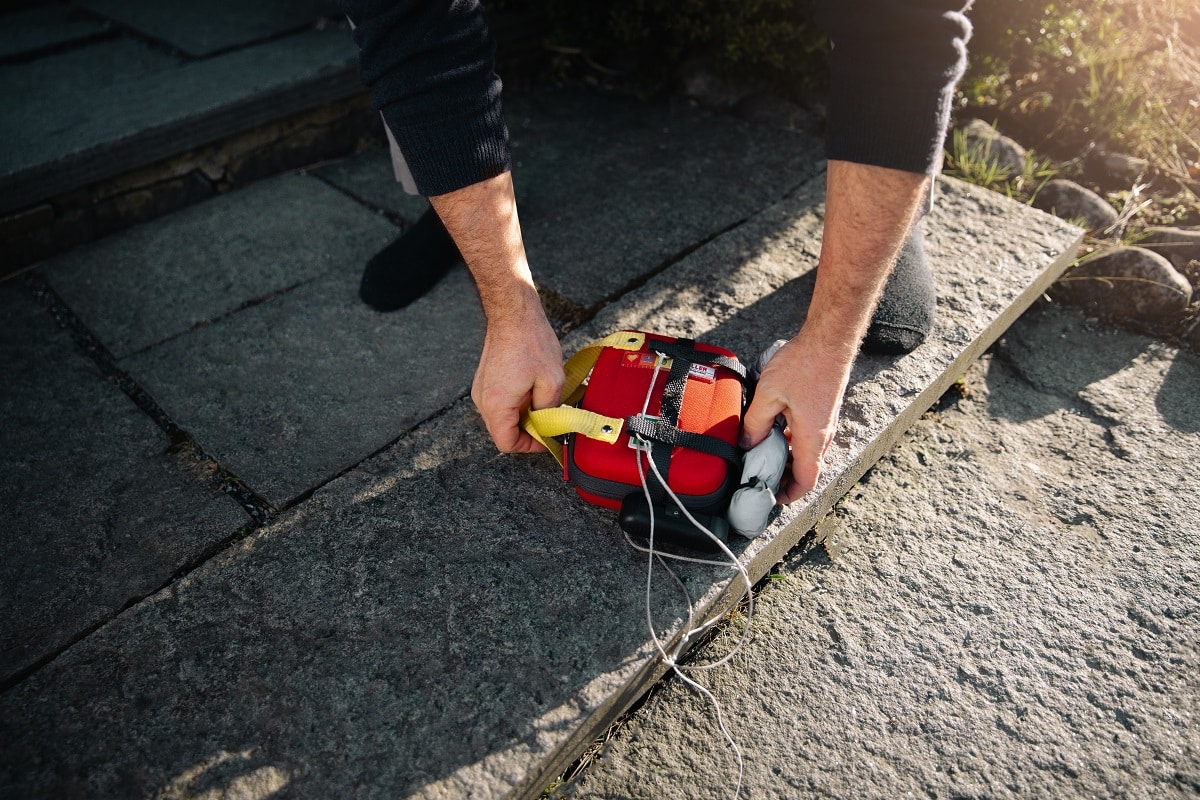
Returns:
(68,133)
(30,30)
(599,177)
(1011,610)
(444,621)
(51,95)
(368,176)
(290,392)
(162,278)
(97,511)
(1009,262)
(201,29)
(656,181)
(435,605)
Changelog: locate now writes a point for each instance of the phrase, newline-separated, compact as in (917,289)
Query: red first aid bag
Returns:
(674,402)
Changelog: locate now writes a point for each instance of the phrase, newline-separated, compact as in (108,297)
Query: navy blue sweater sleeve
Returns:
(430,66)
(893,70)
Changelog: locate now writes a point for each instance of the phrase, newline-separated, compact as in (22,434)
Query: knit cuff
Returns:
(454,152)
(872,123)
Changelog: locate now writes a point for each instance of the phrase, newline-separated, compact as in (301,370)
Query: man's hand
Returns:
(804,381)
(521,367)
(868,213)
(521,363)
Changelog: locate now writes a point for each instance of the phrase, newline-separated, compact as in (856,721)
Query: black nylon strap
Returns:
(670,406)
(661,453)
(673,350)
(672,397)
(656,430)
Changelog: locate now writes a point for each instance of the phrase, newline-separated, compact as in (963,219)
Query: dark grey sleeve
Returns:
(430,66)
(893,69)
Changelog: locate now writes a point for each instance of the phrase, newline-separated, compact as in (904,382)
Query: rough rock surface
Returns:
(995,146)
(443,621)
(1117,170)
(98,512)
(1130,283)
(1012,609)
(157,281)
(1180,246)
(1070,201)
(1191,271)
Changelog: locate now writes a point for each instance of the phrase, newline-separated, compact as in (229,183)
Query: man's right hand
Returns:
(521,367)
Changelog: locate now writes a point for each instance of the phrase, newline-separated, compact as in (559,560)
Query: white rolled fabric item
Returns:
(762,470)
(765,356)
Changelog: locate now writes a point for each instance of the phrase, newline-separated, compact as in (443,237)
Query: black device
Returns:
(670,525)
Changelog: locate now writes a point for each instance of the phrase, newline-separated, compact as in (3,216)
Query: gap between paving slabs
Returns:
(246,329)
(100,510)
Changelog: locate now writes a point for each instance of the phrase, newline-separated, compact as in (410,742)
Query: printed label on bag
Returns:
(647,360)
(701,372)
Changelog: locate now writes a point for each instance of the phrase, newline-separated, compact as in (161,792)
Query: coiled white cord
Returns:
(691,630)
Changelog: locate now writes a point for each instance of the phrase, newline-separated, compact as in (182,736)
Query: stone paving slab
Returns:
(52,93)
(391,629)
(611,189)
(240,316)
(204,28)
(656,181)
(1011,610)
(443,621)
(165,277)
(97,512)
(991,261)
(368,176)
(170,109)
(290,392)
(26,32)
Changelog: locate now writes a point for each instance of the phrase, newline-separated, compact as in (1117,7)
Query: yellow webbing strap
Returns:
(546,424)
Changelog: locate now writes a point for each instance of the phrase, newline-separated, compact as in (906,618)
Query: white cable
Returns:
(733,562)
(676,557)
(671,660)
(643,449)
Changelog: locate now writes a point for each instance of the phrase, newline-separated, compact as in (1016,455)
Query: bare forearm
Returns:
(482,220)
(521,362)
(868,213)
